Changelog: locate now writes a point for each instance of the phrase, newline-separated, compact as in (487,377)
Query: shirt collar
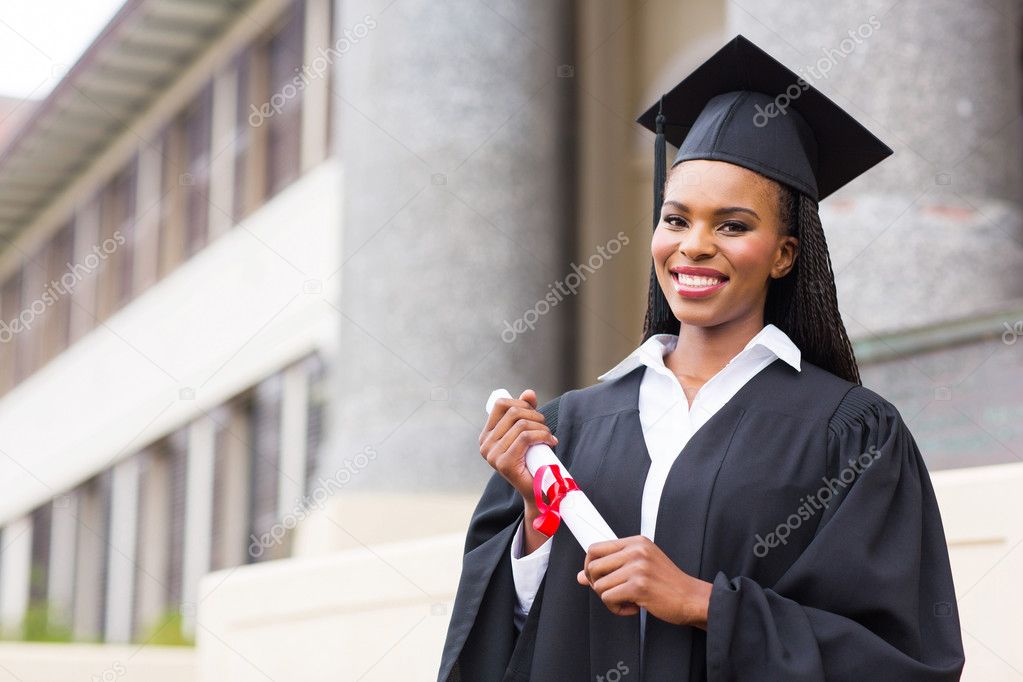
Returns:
(769,341)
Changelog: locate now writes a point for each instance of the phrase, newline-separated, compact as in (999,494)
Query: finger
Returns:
(611,580)
(524,432)
(510,454)
(529,395)
(498,425)
(606,547)
(618,601)
(501,407)
(517,413)
(595,569)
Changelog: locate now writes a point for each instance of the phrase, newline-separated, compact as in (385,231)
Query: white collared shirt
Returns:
(668,423)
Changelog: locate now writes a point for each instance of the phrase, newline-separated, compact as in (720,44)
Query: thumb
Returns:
(529,395)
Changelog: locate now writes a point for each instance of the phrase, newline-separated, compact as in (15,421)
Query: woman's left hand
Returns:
(633,572)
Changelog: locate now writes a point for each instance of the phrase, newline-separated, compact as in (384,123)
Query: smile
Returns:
(696,286)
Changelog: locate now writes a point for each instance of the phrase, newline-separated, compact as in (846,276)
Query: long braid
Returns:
(803,303)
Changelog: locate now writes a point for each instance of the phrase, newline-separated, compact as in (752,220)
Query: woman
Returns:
(776,519)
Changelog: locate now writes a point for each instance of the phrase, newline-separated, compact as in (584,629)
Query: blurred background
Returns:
(263,261)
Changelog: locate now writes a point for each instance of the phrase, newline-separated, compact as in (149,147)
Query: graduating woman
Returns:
(776,519)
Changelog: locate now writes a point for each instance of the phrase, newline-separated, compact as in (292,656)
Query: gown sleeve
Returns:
(871,597)
(482,635)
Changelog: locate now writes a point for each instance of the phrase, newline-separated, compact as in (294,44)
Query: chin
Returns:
(698,319)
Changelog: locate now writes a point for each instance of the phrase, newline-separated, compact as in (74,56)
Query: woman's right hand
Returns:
(512,427)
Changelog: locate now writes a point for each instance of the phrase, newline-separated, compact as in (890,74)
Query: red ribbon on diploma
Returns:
(550,515)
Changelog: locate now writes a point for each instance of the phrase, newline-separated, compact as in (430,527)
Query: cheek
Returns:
(662,245)
(749,257)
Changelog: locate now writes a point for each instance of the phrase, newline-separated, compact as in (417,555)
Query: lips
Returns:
(699,272)
(693,282)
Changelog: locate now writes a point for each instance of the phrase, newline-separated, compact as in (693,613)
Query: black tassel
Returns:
(663,320)
(659,161)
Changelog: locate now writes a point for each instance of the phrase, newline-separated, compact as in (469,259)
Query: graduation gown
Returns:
(805,502)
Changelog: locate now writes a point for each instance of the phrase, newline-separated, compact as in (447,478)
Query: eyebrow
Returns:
(717,212)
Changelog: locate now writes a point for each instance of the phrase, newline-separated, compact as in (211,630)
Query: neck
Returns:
(702,351)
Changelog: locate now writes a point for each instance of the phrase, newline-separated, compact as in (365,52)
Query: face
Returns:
(719,242)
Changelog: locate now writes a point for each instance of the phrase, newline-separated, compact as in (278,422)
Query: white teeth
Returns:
(696,280)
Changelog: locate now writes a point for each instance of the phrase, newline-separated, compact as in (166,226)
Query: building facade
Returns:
(170,218)
(263,261)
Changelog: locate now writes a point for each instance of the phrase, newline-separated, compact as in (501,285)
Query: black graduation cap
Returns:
(745,107)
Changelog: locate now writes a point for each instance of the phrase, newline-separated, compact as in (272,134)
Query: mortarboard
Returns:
(745,107)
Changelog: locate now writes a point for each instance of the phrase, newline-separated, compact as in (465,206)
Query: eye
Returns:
(736,226)
(675,221)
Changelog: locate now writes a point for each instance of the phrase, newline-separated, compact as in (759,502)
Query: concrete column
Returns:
(457,155)
(225,102)
(15,572)
(146,241)
(318,61)
(121,559)
(294,416)
(198,515)
(83,306)
(916,240)
(61,586)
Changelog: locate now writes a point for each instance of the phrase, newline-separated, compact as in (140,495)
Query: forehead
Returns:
(706,181)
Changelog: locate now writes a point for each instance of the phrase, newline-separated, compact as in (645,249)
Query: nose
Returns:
(697,243)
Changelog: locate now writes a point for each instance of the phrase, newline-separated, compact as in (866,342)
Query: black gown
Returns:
(804,500)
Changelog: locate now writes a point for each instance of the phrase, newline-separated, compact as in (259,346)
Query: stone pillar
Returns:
(15,573)
(454,123)
(61,586)
(932,233)
(294,418)
(121,561)
(198,516)
(222,138)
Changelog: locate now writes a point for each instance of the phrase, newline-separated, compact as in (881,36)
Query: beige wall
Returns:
(63,662)
(380,612)
(628,53)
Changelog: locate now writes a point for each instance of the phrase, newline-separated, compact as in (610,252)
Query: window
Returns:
(10,335)
(40,562)
(176,452)
(318,393)
(264,469)
(228,539)
(59,253)
(172,216)
(113,247)
(32,316)
(284,143)
(250,133)
(197,125)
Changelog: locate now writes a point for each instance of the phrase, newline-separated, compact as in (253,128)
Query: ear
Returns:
(785,256)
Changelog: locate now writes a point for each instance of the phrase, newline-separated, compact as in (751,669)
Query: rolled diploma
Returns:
(582,518)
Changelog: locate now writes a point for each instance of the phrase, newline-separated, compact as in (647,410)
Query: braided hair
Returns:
(803,303)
